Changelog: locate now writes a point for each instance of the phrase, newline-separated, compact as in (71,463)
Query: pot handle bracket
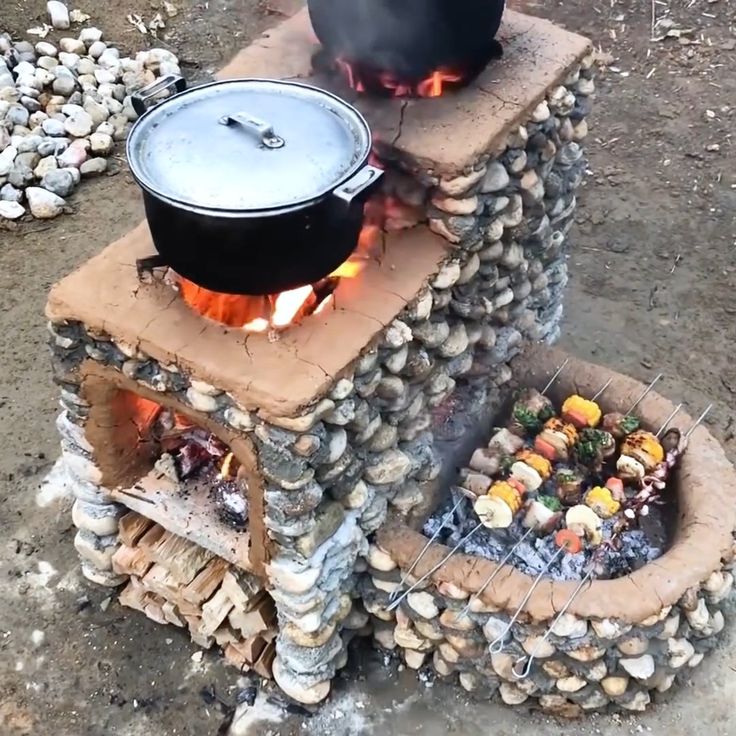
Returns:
(360,183)
(139,98)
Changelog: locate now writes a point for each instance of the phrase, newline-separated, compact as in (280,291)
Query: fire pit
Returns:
(615,641)
(326,408)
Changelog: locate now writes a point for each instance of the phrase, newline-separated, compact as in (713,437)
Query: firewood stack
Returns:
(174,581)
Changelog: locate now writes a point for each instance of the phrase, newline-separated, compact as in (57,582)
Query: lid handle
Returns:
(140,97)
(263,129)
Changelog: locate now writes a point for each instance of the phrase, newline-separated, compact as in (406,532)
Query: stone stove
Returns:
(332,424)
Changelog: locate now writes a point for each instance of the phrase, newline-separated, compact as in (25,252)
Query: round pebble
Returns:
(11,210)
(44,204)
(59,181)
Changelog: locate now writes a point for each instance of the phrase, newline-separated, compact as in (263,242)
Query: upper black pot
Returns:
(409,38)
(251,186)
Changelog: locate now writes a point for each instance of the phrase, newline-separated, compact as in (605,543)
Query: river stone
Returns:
(8,193)
(558,705)
(423,604)
(44,166)
(615,686)
(638,702)
(93,166)
(59,181)
(511,694)
(101,520)
(388,467)
(328,519)
(680,651)
(90,35)
(556,669)
(570,684)
(379,560)
(75,155)
(407,638)
(461,184)
(698,618)
(94,549)
(718,586)
(495,179)
(641,668)
(570,627)
(539,647)
(17,115)
(64,85)
(98,112)
(58,14)
(79,125)
(11,210)
(633,646)
(587,653)
(608,628)
(44,204)
(292,686)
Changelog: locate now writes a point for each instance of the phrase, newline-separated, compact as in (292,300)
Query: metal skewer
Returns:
(521,675)
(698,421)
(498,569)
(644,393)
(497,645)
(555,376)
(668,420)
(449,516)
(445,520)
(396,602)
(603,388)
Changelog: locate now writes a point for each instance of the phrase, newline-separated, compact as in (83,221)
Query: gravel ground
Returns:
(653,274)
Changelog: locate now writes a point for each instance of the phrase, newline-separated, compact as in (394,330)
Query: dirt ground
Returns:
(653,275)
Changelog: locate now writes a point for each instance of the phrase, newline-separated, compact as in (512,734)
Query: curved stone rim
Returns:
(701,540)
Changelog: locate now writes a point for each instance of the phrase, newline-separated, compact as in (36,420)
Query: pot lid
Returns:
(247,144)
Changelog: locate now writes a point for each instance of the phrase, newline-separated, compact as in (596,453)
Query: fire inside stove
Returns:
(364,79)
(192,458)
(275,312)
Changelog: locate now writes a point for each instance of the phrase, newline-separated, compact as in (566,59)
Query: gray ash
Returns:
(231,504)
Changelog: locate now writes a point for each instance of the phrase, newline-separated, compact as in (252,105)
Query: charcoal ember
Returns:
(190,458)
(230,503)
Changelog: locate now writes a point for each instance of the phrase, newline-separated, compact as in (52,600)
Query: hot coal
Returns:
(636,547)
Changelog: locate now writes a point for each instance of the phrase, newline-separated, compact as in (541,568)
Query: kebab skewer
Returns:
(504,441)
(567,542)
(675,445)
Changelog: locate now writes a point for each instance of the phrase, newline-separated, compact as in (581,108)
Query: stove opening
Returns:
(187,461)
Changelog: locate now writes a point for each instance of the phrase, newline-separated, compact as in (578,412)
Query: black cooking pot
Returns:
(251,186)
(409,38)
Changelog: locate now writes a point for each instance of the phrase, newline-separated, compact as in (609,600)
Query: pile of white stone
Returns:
(62,109)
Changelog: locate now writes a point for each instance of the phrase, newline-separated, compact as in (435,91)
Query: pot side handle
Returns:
(140,97)
(360,183)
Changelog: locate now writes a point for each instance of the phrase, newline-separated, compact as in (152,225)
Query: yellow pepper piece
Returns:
(536,461)
(642,441)
(579,406)
(602,502)
(506,493)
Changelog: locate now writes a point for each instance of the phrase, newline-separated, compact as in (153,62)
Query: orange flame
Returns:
(432,86)
(261,313)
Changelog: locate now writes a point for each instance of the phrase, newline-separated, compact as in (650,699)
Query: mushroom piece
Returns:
(585,523)
(493,512)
